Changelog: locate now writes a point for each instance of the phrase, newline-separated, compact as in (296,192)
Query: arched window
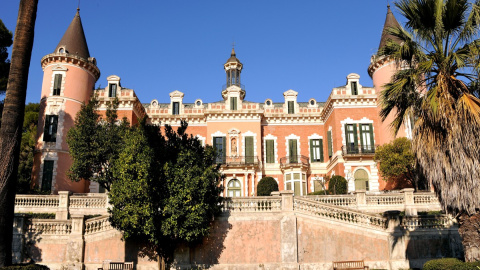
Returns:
(361,180)
(233,188)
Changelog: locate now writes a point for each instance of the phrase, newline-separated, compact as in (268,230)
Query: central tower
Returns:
(233,92)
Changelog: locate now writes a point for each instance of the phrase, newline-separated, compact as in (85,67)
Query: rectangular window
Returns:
(316,150)
(292,151)
(270,151)
(57,84)
(351,138)
(219,144)
(330,143)
(47,175)
(50,129)
(175,108)
(354,88)
(112,90)
(233,103)
(249,155)
(291,107)
(366,136)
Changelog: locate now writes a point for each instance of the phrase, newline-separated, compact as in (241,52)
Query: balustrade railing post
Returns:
(76,243)
(287,200)
(275,193)
(360,198)
(63,205)
(410,208)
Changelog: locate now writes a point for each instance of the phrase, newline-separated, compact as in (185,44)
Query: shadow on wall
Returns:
(26,250)
(421,245)
(202,254)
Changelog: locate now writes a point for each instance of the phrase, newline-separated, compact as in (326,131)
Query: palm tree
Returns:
(436,87)
(12,122)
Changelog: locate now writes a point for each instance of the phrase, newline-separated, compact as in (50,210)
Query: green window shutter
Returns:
(329,141)
(46,134)
(249,149)
(371,137)
(47,175)
(362,143)
(233,103)
(291,107)
(292,150)
(270,151)
(224,142)
(312,150)
(54,123)
(321,150)
(57,84)
(355,135)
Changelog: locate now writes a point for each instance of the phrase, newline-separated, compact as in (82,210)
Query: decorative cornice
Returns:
(81,62)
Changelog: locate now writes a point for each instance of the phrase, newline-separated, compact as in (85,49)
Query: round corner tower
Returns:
(381,70)
(68,81)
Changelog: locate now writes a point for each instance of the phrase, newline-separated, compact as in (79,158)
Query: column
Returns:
(63,204)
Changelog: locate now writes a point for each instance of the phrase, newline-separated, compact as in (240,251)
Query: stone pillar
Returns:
(63,204)
(275,194)
(287,200)
(245,182)
(288,227)
(361,198)
(410,209)
(76,244)
(18,239)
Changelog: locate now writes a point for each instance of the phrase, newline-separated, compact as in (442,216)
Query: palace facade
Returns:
(298,143)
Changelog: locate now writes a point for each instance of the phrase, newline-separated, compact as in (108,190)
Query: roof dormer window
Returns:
(354,88)
(112,90)
(61,50)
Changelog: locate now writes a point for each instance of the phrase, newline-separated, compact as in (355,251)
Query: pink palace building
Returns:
(296,142)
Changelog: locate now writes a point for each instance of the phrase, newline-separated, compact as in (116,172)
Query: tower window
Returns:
(47,175)
(316,150)
(112,90)
(175,108)
(354,88)
(57,84)
(291,107)
(50,130)
(233,103)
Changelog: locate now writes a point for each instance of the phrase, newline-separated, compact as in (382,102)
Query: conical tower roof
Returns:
(74,40)
(390,22)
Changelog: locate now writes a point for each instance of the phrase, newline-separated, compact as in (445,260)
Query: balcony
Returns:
(358,150)
(294,161)
(225,86)
(238,161)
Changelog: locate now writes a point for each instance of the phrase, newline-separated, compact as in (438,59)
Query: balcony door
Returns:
(292,151)
(249,154)
(351,138)
(219,143)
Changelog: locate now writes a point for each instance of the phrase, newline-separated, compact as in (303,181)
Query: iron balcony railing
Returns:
(225,86)
(237,160)
(358,149)
(294,161)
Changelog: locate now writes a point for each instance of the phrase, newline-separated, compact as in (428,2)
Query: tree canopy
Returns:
(266,186)
(396,160)
(437,87)
(164,186)
(6,40)
(27,148)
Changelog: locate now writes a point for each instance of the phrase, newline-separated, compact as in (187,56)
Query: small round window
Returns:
(61,50)
(312,102)
(268,103)
(198,103)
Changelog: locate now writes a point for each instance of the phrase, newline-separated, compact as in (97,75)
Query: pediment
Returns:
(176,93)
(290,93)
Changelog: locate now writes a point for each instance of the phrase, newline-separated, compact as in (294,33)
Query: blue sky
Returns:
(157,47)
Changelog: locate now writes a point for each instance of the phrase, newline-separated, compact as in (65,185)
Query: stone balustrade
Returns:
(428,222)
(97,225)
(339,214)
(406,200)
(252,204)
(49,227)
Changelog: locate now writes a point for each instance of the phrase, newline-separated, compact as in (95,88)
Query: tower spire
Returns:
(390,22)
(74,41)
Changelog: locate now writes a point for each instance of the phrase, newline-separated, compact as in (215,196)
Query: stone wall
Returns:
(277,232)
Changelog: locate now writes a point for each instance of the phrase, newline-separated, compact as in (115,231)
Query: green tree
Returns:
(166,188)
(12,119)
(397,161)
(436,87)
(27,148)
(94,143)
(337,184)
(266,186)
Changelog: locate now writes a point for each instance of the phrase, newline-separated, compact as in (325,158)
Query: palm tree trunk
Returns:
(12,122)
(469,230)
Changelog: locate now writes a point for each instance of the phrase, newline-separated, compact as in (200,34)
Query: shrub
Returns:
(266,185)
(337,185)
(320,192)
(443,264)
(25,267)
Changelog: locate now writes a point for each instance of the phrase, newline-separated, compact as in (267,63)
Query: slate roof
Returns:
(390,22)
(74,40)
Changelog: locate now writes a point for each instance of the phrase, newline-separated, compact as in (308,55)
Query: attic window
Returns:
(112,90)
(354,88)
(61,50)
(198,103)
(268,103)
(312,102)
